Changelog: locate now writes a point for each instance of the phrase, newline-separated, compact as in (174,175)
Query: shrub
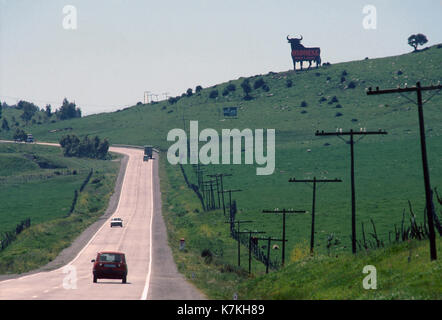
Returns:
(225,92)
(20,135)
(289,83)
(265,87)
(231,87)
(198,89)
(88,147)
(245,85)
(304,104)
(334,100)
(189,92)
(338,114)
(207,255)
(258,83)
(352,85)
(213,94)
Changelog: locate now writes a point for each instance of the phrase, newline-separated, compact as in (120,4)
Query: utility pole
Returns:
(428,192)
(283,211)
(220,186)
(314,181)
(269,240)
(146,97)
(250,245)
(238,222)
(230,197)
(208,192)
(351,133)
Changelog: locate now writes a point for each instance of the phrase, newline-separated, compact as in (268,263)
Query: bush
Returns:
(198,89)
(207,255)
(89,148)
(213,94)
(245,85)
(265,87)
(289,83)
(20,135)
(258,83)
(338,114)
(189,92)
(352,85)
(304,104)
(172,100)
(333,100)
(231,87)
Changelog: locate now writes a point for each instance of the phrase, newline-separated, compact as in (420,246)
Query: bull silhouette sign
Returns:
(301,53)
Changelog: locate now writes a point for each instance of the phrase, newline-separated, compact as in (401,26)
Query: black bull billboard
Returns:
(302,54)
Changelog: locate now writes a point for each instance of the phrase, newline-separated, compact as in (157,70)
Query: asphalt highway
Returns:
(152,273)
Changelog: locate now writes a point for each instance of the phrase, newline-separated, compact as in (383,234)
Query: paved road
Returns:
(152,271)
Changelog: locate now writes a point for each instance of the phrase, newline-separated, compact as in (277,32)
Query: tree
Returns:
(29,109)
(1,110)
(103,149)
(198,89)
(213,94)
(20,135)
(68,110)
(245,85)
(5,124)
(87,147)
(416,40)
(48,111)
(189,92)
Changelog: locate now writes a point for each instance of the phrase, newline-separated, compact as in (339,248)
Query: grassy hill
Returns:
(296,104)
(388,168)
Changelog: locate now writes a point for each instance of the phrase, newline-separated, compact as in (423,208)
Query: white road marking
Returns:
(146,286)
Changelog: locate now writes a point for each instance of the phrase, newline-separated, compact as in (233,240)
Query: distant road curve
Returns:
(152,271)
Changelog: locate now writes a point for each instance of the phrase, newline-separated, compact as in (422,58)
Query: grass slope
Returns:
(39,183)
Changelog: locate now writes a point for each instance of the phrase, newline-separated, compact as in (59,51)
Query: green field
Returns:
(39,183)
(388,168)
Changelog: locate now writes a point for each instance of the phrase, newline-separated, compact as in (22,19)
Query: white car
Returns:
(115,222)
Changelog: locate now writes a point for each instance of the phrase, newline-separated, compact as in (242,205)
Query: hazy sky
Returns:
(122,48)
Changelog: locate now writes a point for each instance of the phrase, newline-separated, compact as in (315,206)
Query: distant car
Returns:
(116,222)
(29,138)
(109,265)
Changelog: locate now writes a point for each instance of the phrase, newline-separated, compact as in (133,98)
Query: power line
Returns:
(428,192)
(351,133)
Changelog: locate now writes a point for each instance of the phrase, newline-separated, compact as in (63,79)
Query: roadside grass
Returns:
(46,198)
(404,270)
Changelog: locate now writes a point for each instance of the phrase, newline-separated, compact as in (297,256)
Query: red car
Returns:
(110,265)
